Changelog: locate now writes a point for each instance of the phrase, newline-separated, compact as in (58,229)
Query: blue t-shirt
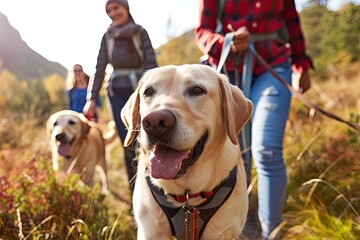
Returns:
(77,99)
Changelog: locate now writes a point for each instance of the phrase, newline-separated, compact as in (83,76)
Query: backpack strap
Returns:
(136,39)
(219,15)
(110,42)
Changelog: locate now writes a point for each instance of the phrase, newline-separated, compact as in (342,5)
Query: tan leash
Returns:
(73,163)
(225,52)
(298,94)
(191,220)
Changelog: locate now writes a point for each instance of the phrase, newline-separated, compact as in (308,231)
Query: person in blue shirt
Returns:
(77,84)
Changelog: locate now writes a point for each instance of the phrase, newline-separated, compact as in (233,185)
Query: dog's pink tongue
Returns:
(64,149)
(165,162)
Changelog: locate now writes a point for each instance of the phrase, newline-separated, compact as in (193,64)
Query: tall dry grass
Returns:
(322,159)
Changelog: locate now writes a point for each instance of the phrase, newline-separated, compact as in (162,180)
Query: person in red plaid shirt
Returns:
(259,21)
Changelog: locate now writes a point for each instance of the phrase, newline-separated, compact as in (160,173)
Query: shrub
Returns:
(34,203)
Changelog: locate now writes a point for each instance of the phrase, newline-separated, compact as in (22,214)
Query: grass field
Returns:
(322,158)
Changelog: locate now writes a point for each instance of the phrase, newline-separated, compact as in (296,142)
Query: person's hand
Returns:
(301,82)
(240,39)
(89,109)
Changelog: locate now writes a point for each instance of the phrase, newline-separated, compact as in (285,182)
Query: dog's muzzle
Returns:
(165,161)
(64,144)
(158,124)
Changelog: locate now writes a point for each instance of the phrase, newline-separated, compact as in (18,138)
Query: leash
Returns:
(189,222)
(225,52)
(298,94)
(73,163)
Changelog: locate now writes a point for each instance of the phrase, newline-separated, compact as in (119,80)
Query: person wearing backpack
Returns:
(128,48)
(273,28)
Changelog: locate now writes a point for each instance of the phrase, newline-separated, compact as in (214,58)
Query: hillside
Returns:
(179,50)
(17,57)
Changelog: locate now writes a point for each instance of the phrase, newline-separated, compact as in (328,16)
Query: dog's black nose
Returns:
(158,122)
(60,137)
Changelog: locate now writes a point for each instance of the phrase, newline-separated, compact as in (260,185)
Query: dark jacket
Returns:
(124,54)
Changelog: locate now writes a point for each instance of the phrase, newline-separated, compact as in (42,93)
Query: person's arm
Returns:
(96,83)
(102,62)
(301,63)
(148,51)
(207,40)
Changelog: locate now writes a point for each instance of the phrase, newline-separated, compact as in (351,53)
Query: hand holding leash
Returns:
(301,81)
(89,109)
(299,95)
(240,39)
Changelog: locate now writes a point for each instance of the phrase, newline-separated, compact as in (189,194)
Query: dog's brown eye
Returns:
(196,91)
(71,122)
(149,92)
(55,124)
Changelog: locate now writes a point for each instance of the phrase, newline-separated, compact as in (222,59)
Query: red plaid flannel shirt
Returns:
(259,16)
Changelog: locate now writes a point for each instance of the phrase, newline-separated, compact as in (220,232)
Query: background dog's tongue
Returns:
(64,149)
(165,163)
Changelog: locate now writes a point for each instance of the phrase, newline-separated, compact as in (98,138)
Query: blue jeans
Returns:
(271,101)
(117,102)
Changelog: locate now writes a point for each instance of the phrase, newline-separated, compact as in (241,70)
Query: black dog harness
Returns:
(176,215)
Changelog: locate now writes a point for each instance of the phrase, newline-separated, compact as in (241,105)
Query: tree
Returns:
(341,43)
(349,29)
(55,87)
(313,31)
(8,83)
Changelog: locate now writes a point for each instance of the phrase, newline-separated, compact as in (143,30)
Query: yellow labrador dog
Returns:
(190,178)
(78,146)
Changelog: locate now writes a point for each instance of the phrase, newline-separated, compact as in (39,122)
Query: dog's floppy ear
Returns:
(130,115)
(237,109)
(84,125)
(49,127)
